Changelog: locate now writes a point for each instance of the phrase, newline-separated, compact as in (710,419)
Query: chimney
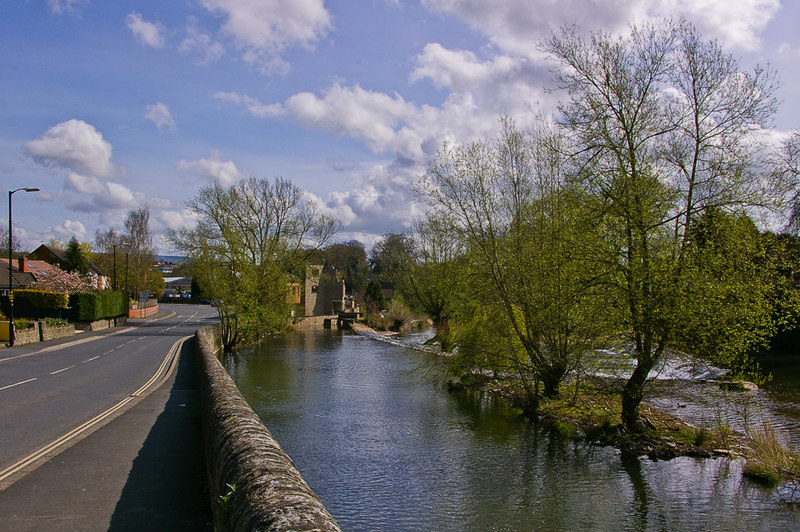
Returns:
(23,264)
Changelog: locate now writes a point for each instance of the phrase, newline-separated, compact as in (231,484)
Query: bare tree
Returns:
(16,243)
(248,237)
(140,259)
(662,120)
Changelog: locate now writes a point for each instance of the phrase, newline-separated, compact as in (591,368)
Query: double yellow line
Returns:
(26,464)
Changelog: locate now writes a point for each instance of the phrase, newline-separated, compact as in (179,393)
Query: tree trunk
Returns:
(552,377)
(632,394)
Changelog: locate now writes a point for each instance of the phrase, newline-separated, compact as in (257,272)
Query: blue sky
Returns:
(109,106)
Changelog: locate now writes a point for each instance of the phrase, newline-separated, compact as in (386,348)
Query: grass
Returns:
(769,460)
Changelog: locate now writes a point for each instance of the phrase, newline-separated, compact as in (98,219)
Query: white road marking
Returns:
(90,359)
(62,369)
(17,384)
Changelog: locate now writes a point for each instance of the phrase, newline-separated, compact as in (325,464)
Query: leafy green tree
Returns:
(350,261)
(730,278)
(75,260)
(374,297)
(389,260)
(433,275)
(510,206)
(662,123)
(248,237)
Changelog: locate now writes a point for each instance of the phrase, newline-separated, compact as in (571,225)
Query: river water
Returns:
(377,436)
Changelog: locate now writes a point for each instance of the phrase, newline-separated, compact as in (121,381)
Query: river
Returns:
(378,437)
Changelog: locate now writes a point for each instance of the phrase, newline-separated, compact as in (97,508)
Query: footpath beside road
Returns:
(144,470)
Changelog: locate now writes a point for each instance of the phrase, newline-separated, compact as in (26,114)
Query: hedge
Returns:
(91,306)
(36,304)
(42,299)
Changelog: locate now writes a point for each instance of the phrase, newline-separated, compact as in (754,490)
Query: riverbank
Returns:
(590,411)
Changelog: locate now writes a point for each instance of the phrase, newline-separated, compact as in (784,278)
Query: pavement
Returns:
(144,470)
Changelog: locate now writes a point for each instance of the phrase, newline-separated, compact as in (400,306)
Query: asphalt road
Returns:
(49,389)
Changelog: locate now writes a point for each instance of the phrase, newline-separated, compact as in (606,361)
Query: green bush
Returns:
(761,473)
(22,324)
(91,306)
(42,299)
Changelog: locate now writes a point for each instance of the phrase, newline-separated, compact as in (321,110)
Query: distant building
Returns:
(24,272)
(325,293)
(58,257)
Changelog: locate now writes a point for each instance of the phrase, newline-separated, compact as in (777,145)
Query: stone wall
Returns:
(99,325)
(253,484)
(26,336)
(52,333)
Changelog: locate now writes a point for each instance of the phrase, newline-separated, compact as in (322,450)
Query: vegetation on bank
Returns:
(627,222)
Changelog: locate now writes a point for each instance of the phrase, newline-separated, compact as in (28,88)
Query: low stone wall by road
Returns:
(254,485)
(140,313)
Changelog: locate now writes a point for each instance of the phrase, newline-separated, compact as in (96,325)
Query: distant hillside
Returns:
(174,259)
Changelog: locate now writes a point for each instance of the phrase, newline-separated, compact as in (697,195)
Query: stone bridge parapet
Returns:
(253,483)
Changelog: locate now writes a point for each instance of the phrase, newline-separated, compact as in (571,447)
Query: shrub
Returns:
(701,437)
(761,473)
(55,322)
(91,306)
(42,299)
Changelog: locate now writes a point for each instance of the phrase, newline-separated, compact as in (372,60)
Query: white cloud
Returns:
(202,43)
(516,26)
(74,145)
(223,172)
(389,124)
(177,219)
(378,202)
(160,115)
(65,6)
(263,29)
(255,107)
(104,195)
(70,228)
(147,33)
(737,23)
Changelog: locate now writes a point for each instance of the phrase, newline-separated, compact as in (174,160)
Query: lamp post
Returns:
(10,261)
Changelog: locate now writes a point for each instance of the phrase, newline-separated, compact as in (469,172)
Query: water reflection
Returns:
(386,447)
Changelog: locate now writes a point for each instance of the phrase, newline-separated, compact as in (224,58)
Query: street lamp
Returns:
(10,260)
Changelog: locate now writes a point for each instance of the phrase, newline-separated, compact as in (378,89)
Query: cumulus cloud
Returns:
(201,43)
(264,29)
(517,25)
(160,115)
(177,219)
(70,228)
(74,145)
(102,195)
(147,33)
(65,6)
(378,202)
(255,107)
(387,123)
(213,168)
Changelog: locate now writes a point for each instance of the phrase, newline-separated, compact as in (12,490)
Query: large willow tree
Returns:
(518,221)
(248,238)
(664,124)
